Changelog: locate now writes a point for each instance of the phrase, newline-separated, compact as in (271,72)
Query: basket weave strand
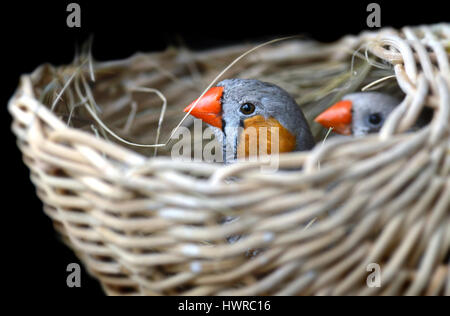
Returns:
(154,226)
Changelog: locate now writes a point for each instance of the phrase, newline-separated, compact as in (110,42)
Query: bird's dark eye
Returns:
(247,108)
(375,118)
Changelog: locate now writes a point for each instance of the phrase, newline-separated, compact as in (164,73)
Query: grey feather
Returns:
(366,104)
(270,101)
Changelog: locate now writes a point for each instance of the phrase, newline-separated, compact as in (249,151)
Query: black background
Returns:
(36,32)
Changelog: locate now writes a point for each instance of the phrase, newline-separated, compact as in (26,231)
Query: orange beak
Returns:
(208,108)
(338,117)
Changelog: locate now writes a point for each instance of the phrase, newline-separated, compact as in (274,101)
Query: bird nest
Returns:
(145,223)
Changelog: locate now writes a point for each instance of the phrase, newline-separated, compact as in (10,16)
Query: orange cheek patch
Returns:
(259,136)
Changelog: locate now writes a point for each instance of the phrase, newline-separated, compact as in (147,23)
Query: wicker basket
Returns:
(154,226)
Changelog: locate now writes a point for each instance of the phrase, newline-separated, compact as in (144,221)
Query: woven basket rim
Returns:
(137,160)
